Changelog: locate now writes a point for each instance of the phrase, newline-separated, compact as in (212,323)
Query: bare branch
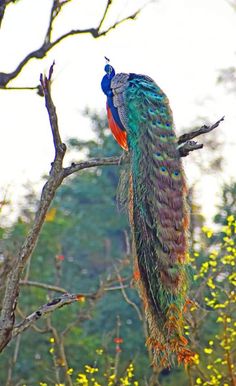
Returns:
(106,161)
(49,189)
(47,45)
(34,326)
(202,130)
(116,24)
(109,2)
(48,308)
(3,4)
(59,342)
(125,296)
(189,146)
(60,148)
(45,286)
(22,88)
(184,150)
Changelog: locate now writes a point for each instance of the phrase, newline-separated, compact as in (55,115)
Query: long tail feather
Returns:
(159,218)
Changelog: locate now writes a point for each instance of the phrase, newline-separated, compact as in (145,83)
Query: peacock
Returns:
(141,121)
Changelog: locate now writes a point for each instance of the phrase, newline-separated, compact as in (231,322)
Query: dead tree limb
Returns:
(3,4)
(202,130)
(48,43)
(54,180)
(185,146)
(47,308)
(49,287)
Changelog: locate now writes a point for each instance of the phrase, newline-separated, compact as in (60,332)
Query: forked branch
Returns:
(48,43)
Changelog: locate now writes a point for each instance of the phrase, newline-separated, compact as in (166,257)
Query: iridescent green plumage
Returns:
(158,210)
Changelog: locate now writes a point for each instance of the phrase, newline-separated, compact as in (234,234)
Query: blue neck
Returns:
(106,88)
(106,80)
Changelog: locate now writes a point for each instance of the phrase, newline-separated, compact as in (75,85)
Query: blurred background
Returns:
(188,48)
(184,45)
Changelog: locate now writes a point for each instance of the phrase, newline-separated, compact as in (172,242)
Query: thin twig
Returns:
(202,130)
(3,4)
(189,146)
(132,304)
(93,162)
(45,286)
(21,88)
(33,326)
(48,308)
(59,342)
(109,2)
(47,45)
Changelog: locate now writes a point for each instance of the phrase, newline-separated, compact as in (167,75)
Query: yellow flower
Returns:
(51,350)
(112,377)
(196,359)
(210,283)
(52,340)
(198,381)
(99,351)
(70,371)
(82,379)
(125,381)
(208,350)
(230,219)
(90,369)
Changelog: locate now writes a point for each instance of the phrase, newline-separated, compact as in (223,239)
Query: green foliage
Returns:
(82,244)
(213,323)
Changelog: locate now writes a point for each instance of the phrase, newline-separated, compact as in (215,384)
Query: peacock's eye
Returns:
(176,173)
(163,169)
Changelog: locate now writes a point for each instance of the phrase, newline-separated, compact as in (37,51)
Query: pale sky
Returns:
(182,44)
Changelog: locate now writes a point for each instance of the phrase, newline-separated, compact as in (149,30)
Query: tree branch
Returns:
(125,296)
(43,285)
(106,161)
(189,146)
(3,4)
(48,308)
(48,44)
(109,3)
(54,180)
(59,302)
(202,130)
(185,147)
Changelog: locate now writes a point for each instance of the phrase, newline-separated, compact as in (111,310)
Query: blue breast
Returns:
(106,88)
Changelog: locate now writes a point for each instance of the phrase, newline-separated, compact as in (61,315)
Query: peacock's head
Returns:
(106,80)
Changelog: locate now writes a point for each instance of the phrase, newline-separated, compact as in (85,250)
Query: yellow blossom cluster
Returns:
(217,273)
